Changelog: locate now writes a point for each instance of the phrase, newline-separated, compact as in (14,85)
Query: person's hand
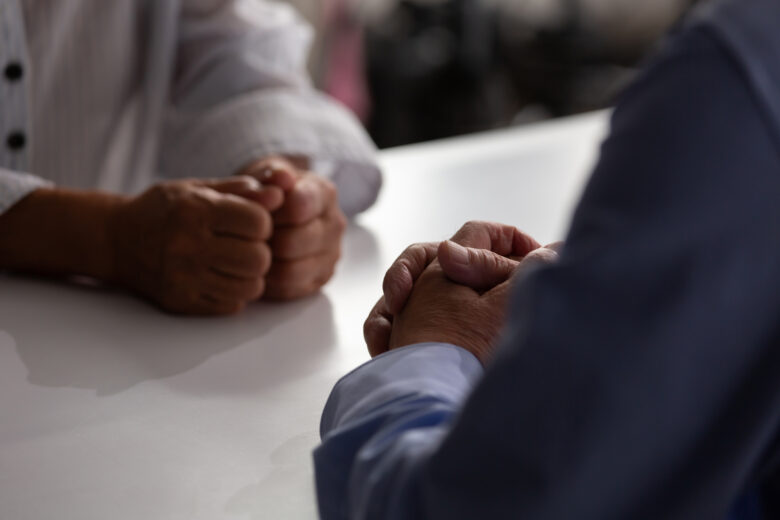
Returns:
(306,242)
(502,240)
(445,311)
(196,247)
(491,254)
(439,310)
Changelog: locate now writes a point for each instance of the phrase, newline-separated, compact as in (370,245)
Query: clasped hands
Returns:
(455,291)
(211,247)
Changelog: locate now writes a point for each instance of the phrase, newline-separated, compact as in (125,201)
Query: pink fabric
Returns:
(345,77)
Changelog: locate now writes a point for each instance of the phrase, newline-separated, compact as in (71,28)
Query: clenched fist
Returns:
(308,228)
(454,291)
(196,247)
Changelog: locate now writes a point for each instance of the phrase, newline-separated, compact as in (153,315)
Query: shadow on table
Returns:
(91,338)
(361,250)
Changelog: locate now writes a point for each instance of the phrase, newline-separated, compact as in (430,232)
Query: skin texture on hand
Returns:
(307,228)
(195,247)
(439,310)
(454,291)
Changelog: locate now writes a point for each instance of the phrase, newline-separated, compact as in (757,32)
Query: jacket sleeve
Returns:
(241,92)
(638,377)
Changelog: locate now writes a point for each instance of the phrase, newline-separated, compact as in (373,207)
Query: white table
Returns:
(112,410)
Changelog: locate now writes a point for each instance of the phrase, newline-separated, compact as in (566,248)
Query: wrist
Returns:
(103,208)
(60,232)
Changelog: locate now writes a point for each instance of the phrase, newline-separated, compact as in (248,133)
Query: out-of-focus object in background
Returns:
(445,67)
(336,63)
(433,71)
(571,56)
(343,75)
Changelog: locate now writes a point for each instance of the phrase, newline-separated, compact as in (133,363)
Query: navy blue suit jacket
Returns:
(639,377)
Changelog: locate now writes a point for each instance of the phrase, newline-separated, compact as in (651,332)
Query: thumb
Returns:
(244,186)
(479,269)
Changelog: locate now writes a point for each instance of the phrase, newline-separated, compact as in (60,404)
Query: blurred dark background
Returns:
(417,70)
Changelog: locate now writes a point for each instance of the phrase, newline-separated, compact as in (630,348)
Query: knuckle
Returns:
(415,252)
(341,222)
(472,225)
(397,273)
(168,190)
(542,256)
(184,217)
(391,280)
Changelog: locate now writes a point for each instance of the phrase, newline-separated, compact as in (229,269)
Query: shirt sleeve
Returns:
(387,402)
(14,186)
(241,92)
(638,376)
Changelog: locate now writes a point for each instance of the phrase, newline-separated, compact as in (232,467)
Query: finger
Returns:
(535,259)
(478,269)
(236,217)
(288,280)
(377,328)
(293,242)
(269,197)
(274,171)
(238,258)
(237,185)
(247,187)
(556,246)
(399,279)
(311,197)
(499,238)
(231,289)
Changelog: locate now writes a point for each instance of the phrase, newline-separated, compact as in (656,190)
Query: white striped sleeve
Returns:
(14,186)
(242,92)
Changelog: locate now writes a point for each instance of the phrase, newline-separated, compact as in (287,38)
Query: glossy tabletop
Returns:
(110,409)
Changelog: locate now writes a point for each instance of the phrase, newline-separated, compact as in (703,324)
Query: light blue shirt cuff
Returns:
(444,371)
(14,186)
(383,419)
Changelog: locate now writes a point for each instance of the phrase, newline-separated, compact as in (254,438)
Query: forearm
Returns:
(59,232)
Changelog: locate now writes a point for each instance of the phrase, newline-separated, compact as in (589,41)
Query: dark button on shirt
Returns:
(16,140)
(14,71)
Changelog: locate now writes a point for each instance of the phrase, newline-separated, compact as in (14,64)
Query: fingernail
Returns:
(254,184)
(266,173)
(458,253)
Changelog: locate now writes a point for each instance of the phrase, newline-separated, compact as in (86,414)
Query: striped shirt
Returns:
(117,94)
